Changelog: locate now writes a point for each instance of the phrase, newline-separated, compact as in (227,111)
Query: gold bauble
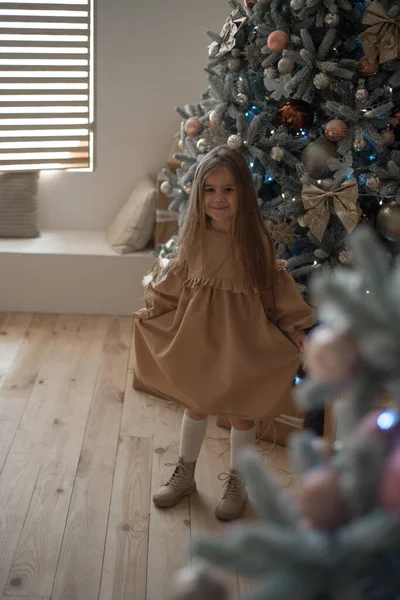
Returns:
(388,222)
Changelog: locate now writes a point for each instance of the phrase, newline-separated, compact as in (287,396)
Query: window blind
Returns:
(46,85)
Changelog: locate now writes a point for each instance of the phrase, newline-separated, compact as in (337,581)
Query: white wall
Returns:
(150,58)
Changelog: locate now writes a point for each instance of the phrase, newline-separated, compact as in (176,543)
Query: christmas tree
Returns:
(309,91)
(338,536)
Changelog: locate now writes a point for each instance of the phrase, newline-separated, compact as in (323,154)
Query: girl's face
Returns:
(220,197)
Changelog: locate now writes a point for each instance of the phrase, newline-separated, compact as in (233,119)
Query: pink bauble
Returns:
(320,500)
(332,356)
(278,41)
(389,493)
(336,130)
(194,127)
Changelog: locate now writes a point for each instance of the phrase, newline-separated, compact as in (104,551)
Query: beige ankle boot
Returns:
(180,484)
(234,500)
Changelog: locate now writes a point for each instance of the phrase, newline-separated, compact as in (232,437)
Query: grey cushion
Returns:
(18,205)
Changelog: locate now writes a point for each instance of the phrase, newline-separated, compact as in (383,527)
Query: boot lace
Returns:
(232,484)
(179,473)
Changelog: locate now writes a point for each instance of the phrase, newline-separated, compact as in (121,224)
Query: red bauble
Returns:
(396,128)
(278,41)
(194,126)
(336,130)
(250,3)
(366,68)
(296,115)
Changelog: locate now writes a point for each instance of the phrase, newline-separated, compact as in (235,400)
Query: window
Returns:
(46,85)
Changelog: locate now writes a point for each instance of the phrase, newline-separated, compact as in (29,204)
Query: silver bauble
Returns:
(242,99)
(360,143)
(202,145)
(285,66)
(373,183)
(315,157)
(388,222)
(277,153)
(166,188)
(302,221)
(362,95)
(332,20)
(235,141)
(297,4)
(321,81)
(326,184)
(235,65)
(214,117)
(345,257)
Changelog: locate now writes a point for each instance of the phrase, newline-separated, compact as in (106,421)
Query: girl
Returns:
(223,327)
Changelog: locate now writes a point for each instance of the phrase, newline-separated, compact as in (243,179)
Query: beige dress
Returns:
(206,343)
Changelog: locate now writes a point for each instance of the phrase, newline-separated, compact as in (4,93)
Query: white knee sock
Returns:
(192,437)
(240,440)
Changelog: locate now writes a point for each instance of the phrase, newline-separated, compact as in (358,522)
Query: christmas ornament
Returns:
(396,128)
(250,3)
(277,87)
(345,257)
(362,95)
(296,115)
(278,41)
(277,153)
(367,68)
(282,233)
(214,117)
(381,40)
(302,221)
(318,204)
(297,4)
(229,35)
(326,184)
(388,137)
(388,222)
(373,183)
(254,55)
(193,126)
(320,499)
(242,99)
(271,73)
(315,157)
(332,356)
(235,141)
(336,130)
(202,145)
(360,143)
(235,65)
(321,81)
(285,66)
(166,188)
(332,20)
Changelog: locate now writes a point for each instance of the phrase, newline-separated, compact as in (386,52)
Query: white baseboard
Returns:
(70,272)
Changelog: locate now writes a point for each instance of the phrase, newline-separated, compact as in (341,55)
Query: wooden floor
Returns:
(80,455)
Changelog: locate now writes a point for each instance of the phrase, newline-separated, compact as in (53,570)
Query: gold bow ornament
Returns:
(318,205)
(382,38)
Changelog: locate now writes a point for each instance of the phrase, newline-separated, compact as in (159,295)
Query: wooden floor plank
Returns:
(20,380)
(79,569)
(139,412)
(22,466)
(169,536)
(36,557)
(13,329)
(125,561)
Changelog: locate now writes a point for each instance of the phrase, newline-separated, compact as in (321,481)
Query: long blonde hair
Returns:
(252,247)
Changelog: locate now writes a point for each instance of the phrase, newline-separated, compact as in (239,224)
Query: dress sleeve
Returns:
(162,296)
(291,313)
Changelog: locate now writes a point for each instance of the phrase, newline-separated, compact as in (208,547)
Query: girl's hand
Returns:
(139,314)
